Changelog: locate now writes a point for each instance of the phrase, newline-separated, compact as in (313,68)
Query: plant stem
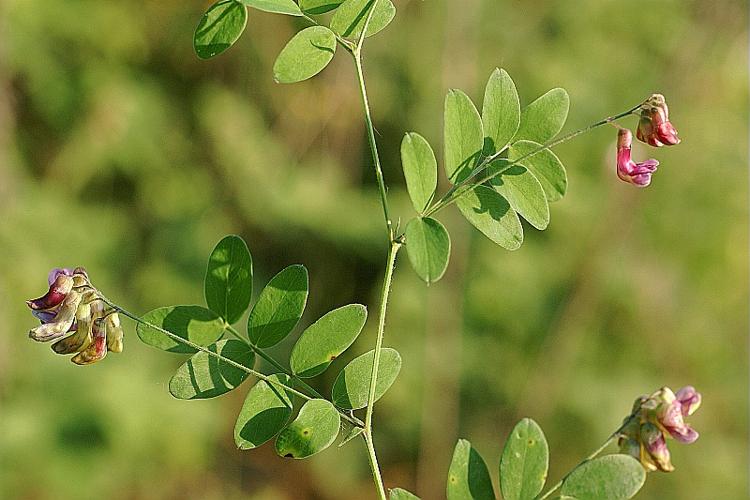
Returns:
(462,187)
(395,246)
(221,358)
(357,54)
(593,455)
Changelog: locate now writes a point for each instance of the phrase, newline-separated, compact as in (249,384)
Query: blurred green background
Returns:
(121,151)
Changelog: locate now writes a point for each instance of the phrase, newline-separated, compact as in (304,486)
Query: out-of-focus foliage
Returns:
(121,151)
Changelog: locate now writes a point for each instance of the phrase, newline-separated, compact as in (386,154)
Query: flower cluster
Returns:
(655,418)
(73,312)
(654,129)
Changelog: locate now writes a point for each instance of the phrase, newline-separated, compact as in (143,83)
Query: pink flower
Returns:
(654,127)
(72,310)
(638,174)
(654,418)
(671,411)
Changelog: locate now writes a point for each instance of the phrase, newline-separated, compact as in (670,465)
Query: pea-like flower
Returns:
(638,174)
(72,310)
(654,127)
(654,419)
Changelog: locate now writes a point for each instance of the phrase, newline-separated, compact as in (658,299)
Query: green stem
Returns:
(357,54)
(462,187)
(593,455)
(385,292)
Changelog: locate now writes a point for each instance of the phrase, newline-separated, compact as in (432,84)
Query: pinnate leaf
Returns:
(306,55)
(264,413)
(194,323)
(523,466)
(463,135)
(488,211)
(279,307)
(523,191)
(314,430)
(501,110)
(428,246)
(229,278)
(326,339)
(352,385)
(349,19)
(544,164)
(544,118)
(420,170)
(219,28)
(614,477)
(204,376)
(468,478)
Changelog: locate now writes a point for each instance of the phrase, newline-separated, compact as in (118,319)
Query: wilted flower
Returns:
(654,127)
(629,171)
(73,309)
(655,418)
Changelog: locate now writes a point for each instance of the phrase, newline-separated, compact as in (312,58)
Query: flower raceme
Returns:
(655,418)
(654,127)
(638,174)
(73,312)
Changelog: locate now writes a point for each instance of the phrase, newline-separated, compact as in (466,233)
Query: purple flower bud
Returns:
(656,447)
(82,338)
(638,174)
(113,332)
(62,321)
(690,399)
(97,350)
(58,289)
(654,127)
(58,271)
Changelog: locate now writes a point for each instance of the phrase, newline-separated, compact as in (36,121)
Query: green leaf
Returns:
(275,6)
(326,339)
(489,212)
(463,135)
(203,376)
(523,191)
(545,165)
(350,17)
(279,307)
(314,430)
(352,384)
(229,278)
(319,6)
(523,466)
(468,478)
(428,247)
(401,494)
(194,323)
(305,55)
(614,477)
(501,111)
(420,170)
(264,413)
(219,28)
(544,118)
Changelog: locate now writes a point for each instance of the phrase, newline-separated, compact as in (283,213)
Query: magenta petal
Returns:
(57,272)
(689,398)
(684,434)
